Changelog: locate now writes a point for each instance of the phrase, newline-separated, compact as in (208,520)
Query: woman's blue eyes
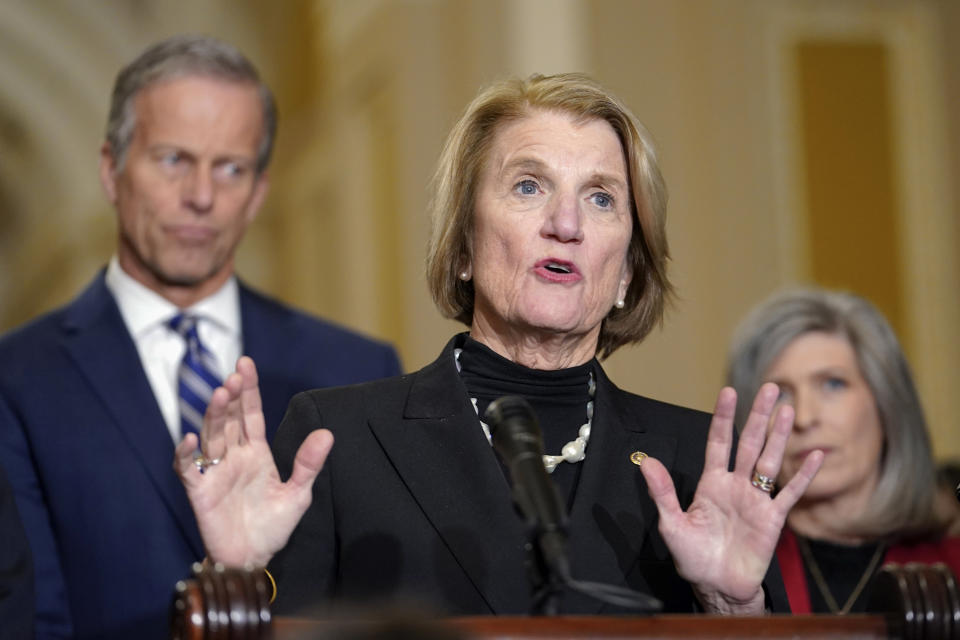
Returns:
(835,384)
(526,187)
(531,188)
(602,200)
(829,384)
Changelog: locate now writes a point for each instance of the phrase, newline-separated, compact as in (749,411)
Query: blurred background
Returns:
(803,141)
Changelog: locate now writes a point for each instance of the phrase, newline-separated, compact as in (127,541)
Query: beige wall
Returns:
(369,88)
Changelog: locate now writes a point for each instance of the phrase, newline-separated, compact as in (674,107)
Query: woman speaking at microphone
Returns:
(548,242)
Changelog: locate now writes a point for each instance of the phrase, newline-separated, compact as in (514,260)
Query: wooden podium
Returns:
(914,602)
(861,627)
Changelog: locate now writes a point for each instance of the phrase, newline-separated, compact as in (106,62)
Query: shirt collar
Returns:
(143,309)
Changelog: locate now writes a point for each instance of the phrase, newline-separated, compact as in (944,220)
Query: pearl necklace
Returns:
(572,452)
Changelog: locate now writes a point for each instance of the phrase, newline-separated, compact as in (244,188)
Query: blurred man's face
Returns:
(188,186)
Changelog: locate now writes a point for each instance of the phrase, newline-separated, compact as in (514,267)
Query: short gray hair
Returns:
(903,501)
(179,56)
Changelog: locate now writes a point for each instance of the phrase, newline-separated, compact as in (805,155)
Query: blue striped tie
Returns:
(196,377)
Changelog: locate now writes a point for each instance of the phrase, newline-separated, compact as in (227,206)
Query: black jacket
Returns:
(412,503)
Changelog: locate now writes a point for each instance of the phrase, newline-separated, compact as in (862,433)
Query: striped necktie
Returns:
(196,378)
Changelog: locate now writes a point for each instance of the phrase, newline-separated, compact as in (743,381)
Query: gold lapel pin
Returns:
(637,457)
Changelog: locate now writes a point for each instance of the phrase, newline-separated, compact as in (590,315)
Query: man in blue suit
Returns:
(92,396)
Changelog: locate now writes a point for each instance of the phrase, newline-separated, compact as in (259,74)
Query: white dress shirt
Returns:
(146,314)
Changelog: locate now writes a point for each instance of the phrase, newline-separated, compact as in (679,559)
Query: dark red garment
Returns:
(946,550)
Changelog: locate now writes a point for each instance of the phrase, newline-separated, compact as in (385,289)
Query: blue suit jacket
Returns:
(90,458)
(16,570)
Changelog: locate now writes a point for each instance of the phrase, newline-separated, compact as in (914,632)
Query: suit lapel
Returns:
(452,472)
(98,342)
(263,343)
(612,514)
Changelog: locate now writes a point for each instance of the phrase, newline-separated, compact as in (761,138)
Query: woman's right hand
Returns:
(245,513)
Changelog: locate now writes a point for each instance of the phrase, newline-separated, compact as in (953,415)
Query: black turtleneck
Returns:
(842,566)
(559,399)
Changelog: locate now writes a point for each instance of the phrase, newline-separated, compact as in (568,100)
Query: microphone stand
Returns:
(517,439)
(547,580)
(548,570)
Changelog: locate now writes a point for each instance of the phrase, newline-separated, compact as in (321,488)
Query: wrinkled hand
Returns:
(245,513)
(723,544)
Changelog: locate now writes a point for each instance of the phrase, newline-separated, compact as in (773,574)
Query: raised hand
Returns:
(723,543)
(245,513)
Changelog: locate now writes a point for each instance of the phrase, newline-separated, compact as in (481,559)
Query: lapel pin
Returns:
(637,457)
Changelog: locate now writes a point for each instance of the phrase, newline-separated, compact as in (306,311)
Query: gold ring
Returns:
(203,463)
(762,482)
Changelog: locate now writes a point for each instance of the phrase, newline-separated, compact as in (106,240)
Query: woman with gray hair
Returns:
(838,364)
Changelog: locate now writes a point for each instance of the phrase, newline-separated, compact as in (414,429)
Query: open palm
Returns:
(244,511)
(724,542)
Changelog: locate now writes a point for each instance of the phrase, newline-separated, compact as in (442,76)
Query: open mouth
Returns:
(558,268)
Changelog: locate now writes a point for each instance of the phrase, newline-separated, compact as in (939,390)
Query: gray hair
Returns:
(902,504)
(179,56)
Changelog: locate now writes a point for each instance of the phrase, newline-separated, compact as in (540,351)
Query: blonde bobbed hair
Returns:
(461,164)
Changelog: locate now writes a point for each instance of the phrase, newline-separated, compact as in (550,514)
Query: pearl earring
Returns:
(464,275)
(620,303)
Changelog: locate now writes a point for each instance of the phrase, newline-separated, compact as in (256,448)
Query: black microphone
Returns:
(518,441)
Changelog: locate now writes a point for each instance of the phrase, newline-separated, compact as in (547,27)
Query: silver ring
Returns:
(762,482)
(203,463)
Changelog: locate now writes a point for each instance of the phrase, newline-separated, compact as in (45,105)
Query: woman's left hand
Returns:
(723,543)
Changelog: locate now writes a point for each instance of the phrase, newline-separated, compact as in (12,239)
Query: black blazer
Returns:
(413,503)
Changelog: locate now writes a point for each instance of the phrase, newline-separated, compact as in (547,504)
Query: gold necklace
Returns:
(822,585)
